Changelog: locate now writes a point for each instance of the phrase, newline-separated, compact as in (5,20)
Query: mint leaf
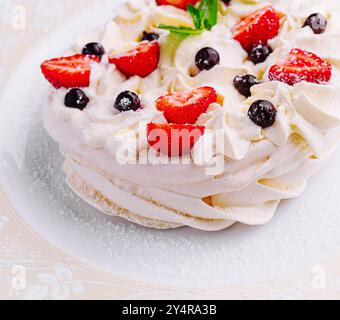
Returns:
(197,16)
(204,17)
(181,30)
(209,9)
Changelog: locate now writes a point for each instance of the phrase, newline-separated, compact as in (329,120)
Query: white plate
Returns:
(304,232)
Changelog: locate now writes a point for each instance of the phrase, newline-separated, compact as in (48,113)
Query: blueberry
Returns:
(127,101)
(150,36)
(226,1)
(244,83)
(260,53)
(207,58)
(94,48)
(262,113)
(77,99)
(317,22)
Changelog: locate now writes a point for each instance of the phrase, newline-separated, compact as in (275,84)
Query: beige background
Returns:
(30,268)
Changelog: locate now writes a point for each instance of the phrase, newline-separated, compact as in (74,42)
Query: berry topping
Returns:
(77,99)
(258,27)
(260,53)
(262,113)
(317,22)
(140,61)
(244,83)
(69,72)
(182,108)
(127,101)
(150,36)
(300,66)
(94,48)
(182,4)
(173,139)
(207,58)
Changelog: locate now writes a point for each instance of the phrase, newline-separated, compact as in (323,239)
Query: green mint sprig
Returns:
(204,18)
(180,30)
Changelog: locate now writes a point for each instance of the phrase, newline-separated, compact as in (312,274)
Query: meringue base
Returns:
(97,200)
(90,186)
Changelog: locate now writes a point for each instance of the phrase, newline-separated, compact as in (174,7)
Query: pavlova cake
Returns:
(198,113)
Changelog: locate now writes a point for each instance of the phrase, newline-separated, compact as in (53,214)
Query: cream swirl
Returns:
(261,167)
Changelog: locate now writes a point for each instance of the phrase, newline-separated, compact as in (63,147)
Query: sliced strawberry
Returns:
(140,61)
(184,108)
(300,66)
(258,27)
(182,4)
(173,139)
(69,72)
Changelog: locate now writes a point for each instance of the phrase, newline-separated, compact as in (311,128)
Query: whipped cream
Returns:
(261,167)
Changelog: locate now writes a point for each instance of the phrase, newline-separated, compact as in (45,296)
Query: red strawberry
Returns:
(184,108)
(140,61)
(69,72)
(300,66)
(258,27)
(182,4)
(173,139)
